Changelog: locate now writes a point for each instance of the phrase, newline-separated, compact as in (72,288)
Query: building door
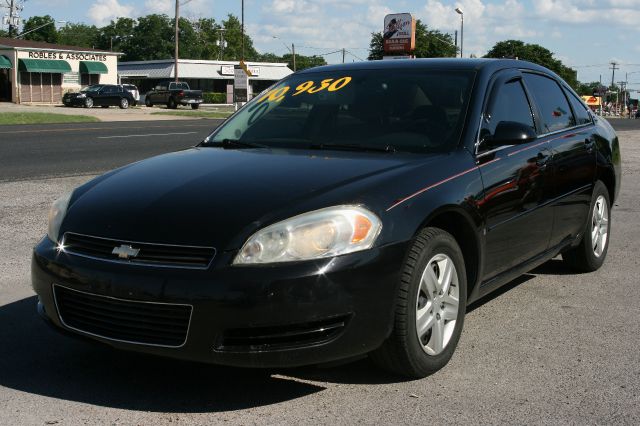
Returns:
(5,85)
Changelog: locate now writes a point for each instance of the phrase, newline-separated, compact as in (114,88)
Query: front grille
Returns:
(259,339)
(148,253)
(148,323)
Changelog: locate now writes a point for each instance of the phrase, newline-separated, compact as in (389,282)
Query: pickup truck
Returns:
(172,94)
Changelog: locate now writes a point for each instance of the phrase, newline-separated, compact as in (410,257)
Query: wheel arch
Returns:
(459,223)
(607,176)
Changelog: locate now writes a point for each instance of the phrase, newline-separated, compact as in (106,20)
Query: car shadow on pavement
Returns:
(36,359)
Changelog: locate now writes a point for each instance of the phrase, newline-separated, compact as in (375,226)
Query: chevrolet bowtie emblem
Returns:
(125,251)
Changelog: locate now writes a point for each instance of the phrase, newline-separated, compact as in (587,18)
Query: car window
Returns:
(108,89)
(554,107)
(412,110)
(120,89)
(508,103)
(580,110)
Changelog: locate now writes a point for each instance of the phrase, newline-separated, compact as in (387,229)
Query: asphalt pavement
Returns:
(54,150)
(551,347)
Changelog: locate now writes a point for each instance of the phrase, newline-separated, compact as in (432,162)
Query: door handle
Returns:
(541,160)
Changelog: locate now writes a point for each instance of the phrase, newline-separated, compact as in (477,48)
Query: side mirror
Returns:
(512,133)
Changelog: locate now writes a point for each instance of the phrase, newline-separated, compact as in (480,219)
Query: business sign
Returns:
(240,85)
(67,56)
(229,70)
(399,35)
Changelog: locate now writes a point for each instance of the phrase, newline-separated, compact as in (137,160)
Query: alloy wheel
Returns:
(599,226)
(437,304)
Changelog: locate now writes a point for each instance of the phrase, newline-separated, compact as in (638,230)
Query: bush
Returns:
(214,98)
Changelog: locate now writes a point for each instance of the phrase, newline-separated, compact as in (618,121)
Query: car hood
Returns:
(217,197)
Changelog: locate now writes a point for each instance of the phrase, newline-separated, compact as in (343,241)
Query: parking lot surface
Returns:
(550,348)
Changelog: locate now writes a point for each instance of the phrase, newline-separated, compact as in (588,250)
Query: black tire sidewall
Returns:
(442,243)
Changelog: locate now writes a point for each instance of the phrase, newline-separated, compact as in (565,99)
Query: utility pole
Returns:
(343,52)
(242,30)
(175,66)
(293,53)
(613,71)
(456,41)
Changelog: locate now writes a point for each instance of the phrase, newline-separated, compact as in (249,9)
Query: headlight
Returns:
(81,95)
(322,233)
(56,214)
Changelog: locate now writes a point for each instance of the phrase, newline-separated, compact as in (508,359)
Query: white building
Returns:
(208,76)
(37,72)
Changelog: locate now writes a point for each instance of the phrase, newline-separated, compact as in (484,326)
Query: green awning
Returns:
(91,67)
(5,62)
(44,65)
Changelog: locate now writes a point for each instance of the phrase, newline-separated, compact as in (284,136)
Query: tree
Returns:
(208,37)
(152,38)
(4,33)
(429,44)
(233,37)
(536,54)
(79,35)
(188,48)
(304,62)
(46,29)
(588,89)
(117,35)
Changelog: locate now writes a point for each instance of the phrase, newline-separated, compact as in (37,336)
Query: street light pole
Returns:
(175,65)
(461,13)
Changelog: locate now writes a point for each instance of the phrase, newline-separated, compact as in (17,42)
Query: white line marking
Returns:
(147,135)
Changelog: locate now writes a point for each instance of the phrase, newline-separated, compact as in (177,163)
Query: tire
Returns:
(124,103)
(590,254)
(88,102)
(195,106)
(171,104)
(148,102)
(406,351)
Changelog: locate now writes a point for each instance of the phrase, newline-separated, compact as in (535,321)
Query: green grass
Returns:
(194,114)
(43,118)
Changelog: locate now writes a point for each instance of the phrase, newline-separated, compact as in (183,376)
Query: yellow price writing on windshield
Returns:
(329,84)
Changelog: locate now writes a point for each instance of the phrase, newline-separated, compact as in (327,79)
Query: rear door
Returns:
(569,130)
(516,181)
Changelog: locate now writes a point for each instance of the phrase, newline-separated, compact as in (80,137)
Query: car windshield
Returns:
(407,110)
(93,88)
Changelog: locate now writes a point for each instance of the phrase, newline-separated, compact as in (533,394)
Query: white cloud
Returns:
(103,11)
(166,7)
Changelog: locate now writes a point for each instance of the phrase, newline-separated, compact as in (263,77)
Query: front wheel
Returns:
(88,102)
(589,255)
(430,307)
(124,103)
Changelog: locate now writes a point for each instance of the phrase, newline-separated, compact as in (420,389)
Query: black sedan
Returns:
(348,210)
(104,95)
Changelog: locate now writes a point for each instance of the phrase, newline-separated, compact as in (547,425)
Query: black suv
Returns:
(104,95)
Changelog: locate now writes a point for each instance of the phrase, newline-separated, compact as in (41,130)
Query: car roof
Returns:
(475,64)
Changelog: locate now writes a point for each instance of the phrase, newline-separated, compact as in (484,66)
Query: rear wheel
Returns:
(589,255)
(430,307)
(148,102)
(195,106)
(124,103)
(88,102)
(171,104)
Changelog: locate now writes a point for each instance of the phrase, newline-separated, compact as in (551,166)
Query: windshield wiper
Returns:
(354,147)
(233,143)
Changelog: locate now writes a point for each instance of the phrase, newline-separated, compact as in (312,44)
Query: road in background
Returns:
(552,347)
(33,151)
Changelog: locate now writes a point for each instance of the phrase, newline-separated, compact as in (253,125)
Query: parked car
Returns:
(172,94)
(350,209)
(133,89)
(103,95)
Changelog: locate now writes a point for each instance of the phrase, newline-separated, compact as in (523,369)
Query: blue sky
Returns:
(585,34)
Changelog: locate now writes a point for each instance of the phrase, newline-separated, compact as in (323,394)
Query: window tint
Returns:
(580,110)
(553,105)
(508,103)
(410,110)
(109,89)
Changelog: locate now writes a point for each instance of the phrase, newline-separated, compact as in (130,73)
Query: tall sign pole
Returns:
(175,66)
(242,30)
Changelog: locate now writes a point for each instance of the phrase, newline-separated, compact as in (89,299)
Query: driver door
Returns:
(517,181)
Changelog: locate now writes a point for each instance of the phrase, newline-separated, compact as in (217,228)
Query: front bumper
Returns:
(75,101)
(359,289)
